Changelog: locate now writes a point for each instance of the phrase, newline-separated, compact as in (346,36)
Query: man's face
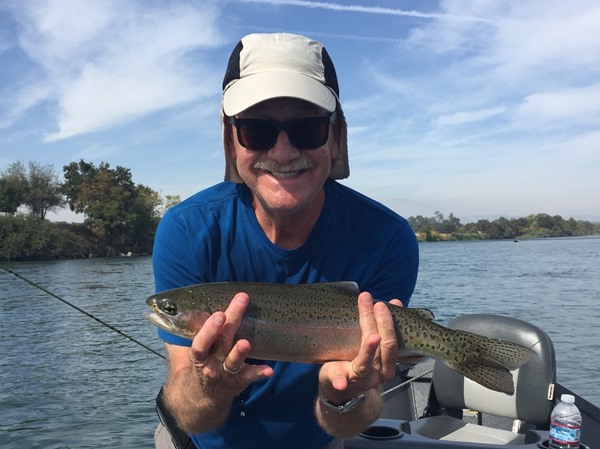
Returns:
(284,179)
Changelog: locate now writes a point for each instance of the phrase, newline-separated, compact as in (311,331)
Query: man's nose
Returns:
(283,151)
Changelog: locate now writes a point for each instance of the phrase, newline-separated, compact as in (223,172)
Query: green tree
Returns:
(438,221)
(543,221)
(122,213)
(43,190)
(13,186)
(587,228)
(9,197)
(26,237)
(77,175)
(450,225)
(571,226)
(146,216)
(536,225)
(37,187)
(104,195)
(169,202)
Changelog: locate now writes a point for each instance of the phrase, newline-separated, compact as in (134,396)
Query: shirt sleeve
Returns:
(173,339)
(173,263)
(396,274)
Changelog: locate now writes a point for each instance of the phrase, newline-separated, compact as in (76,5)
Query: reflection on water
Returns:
(70,382)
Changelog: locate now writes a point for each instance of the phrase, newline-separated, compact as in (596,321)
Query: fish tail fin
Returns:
(489,361)
(496,379)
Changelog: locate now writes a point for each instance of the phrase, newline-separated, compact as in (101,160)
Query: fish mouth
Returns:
(163,322)
(158,320)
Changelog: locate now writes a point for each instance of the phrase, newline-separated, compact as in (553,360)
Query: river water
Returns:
(69,382)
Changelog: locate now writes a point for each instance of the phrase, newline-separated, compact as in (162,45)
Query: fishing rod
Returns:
(89,315)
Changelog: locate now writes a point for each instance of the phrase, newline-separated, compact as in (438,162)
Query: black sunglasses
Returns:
(304,133)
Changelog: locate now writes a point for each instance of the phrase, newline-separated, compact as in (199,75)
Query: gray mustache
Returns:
(273,166)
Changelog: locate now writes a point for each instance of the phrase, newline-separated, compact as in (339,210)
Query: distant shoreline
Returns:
(24,237)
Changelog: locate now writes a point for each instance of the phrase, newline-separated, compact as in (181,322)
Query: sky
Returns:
(477,108)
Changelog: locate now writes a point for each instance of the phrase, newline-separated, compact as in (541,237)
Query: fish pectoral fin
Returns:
(493,377)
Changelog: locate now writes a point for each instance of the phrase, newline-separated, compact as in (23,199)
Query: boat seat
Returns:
(531,403)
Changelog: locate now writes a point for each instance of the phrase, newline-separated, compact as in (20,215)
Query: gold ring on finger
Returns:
(230,371)
(356,371)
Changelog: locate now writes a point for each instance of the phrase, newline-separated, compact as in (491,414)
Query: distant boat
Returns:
(516,240)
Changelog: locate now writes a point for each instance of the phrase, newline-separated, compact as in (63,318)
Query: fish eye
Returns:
(169,308)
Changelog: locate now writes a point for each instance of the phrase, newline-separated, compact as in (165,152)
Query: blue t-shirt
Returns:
(214,236)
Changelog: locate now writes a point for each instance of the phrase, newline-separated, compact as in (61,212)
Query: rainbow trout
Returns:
(316,323)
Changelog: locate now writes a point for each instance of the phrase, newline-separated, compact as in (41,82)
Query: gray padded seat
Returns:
(534,383)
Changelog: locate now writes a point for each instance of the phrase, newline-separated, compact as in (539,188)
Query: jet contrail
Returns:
(367,9)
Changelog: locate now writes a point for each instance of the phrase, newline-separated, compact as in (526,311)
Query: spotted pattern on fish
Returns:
(315,323)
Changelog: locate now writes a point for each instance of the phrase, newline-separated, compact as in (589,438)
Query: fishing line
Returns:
(89,315)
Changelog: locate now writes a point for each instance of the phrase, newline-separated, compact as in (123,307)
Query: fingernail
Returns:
(366,299)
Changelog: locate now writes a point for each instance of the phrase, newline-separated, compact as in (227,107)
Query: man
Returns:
(280,216)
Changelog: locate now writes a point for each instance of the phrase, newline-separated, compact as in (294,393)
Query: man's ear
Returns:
(228,139)
(337,130)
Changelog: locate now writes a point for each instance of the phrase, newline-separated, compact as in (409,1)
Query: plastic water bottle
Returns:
(565,424)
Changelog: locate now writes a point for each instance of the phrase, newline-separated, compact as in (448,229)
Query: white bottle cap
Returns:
(568,398)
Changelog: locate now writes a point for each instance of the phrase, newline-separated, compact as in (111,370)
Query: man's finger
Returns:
(362,365)
(207,336)
(396,302)
(368,325)
(389,344)
(234,316)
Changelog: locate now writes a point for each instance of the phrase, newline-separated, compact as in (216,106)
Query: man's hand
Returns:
(374,364)
(218,359)
(204,379)
(376,359)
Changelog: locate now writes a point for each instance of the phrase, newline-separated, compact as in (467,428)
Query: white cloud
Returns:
(103,96)
(563,36)
(530,66)
(57,35)
(578,106)
(96,153)
(25,98)
(521,44)
(459,118)
(472,116)
(105,63)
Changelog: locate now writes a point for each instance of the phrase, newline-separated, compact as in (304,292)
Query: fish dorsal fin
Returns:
(343,286)
(423,313)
